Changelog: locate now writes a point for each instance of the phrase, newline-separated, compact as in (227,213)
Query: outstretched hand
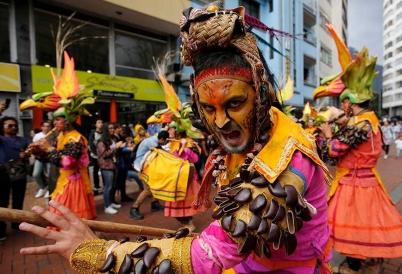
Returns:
(72,231)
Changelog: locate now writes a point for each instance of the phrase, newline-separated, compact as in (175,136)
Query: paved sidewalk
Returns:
(12,262)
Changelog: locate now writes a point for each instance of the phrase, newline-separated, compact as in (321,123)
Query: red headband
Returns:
(242,74)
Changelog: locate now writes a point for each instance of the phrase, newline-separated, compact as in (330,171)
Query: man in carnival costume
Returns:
(271,214)
(363,220)
(67,101)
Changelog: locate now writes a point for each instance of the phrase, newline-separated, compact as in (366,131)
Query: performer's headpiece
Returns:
(355,80)
(177,113)
(68,99)
(210,29)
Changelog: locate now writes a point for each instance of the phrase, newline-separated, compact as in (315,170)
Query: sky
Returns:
(365,26)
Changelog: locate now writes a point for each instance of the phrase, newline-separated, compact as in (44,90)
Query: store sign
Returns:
(10,77)
(112,94)
(119,86)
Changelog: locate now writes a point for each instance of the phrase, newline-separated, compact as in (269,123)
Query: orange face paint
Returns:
(346,106)
(228,106)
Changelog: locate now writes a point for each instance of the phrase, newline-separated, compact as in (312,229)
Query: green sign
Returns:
(141,89)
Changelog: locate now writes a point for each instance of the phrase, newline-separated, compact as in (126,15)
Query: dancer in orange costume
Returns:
(73,187)
(364,222)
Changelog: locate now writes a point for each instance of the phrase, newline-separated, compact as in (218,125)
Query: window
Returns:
(326,56)
(4,33)
(389,44)
(387,77)
(386,99)
(308,34)
(390,23)
(89,54)
(387,87)
(135,54)
(388,4)
(137,112)
(388,55)
(308,74)
(324,19)
(252,7)
(271,5)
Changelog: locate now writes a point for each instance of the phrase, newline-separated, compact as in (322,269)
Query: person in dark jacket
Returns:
(93,139)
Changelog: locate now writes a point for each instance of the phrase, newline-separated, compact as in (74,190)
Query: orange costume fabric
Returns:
(73,187)
(363,220)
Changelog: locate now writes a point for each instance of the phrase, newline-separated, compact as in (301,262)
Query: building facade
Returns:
(392,66)
(310,57)
(123,39)
(115,48)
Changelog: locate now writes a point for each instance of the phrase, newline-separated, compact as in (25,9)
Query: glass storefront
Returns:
(135,55)
(90,53)
(137,112)
(4,32)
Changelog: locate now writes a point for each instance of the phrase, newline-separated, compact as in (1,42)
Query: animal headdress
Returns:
(68,98)
(355,80)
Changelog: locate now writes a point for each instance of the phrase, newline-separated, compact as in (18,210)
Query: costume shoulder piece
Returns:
(357,129)
(264,206)
(284,141)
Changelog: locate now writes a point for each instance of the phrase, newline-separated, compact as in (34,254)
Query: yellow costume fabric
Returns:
(166,175)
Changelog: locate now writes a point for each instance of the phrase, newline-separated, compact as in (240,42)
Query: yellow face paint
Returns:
(229,109)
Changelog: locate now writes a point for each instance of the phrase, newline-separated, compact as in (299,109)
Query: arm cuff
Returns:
(89,256)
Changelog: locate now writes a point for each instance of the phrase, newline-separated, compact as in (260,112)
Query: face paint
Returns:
(228,107)
(59,123)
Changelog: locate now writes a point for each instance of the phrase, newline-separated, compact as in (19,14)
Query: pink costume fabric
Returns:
(214,251)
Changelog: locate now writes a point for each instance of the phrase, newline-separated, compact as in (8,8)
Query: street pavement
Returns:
(12,262)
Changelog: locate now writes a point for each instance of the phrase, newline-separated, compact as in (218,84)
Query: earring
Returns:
(350,111)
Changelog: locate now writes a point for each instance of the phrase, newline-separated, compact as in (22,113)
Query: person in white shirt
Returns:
(396,127)
(398,143)
(37,173)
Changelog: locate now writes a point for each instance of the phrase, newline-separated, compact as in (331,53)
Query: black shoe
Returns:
(155,206)
(135,214)
(127,199)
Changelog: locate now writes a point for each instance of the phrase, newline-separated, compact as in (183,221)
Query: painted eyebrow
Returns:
(234,98)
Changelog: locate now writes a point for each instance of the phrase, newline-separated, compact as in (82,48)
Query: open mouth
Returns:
(232,137)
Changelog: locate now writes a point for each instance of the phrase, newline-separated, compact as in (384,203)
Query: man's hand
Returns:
(72,232)
(326,130)
(43,143)
(3,106)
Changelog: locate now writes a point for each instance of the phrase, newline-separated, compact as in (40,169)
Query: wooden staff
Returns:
(336,118)
(29,150)
(18,216)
